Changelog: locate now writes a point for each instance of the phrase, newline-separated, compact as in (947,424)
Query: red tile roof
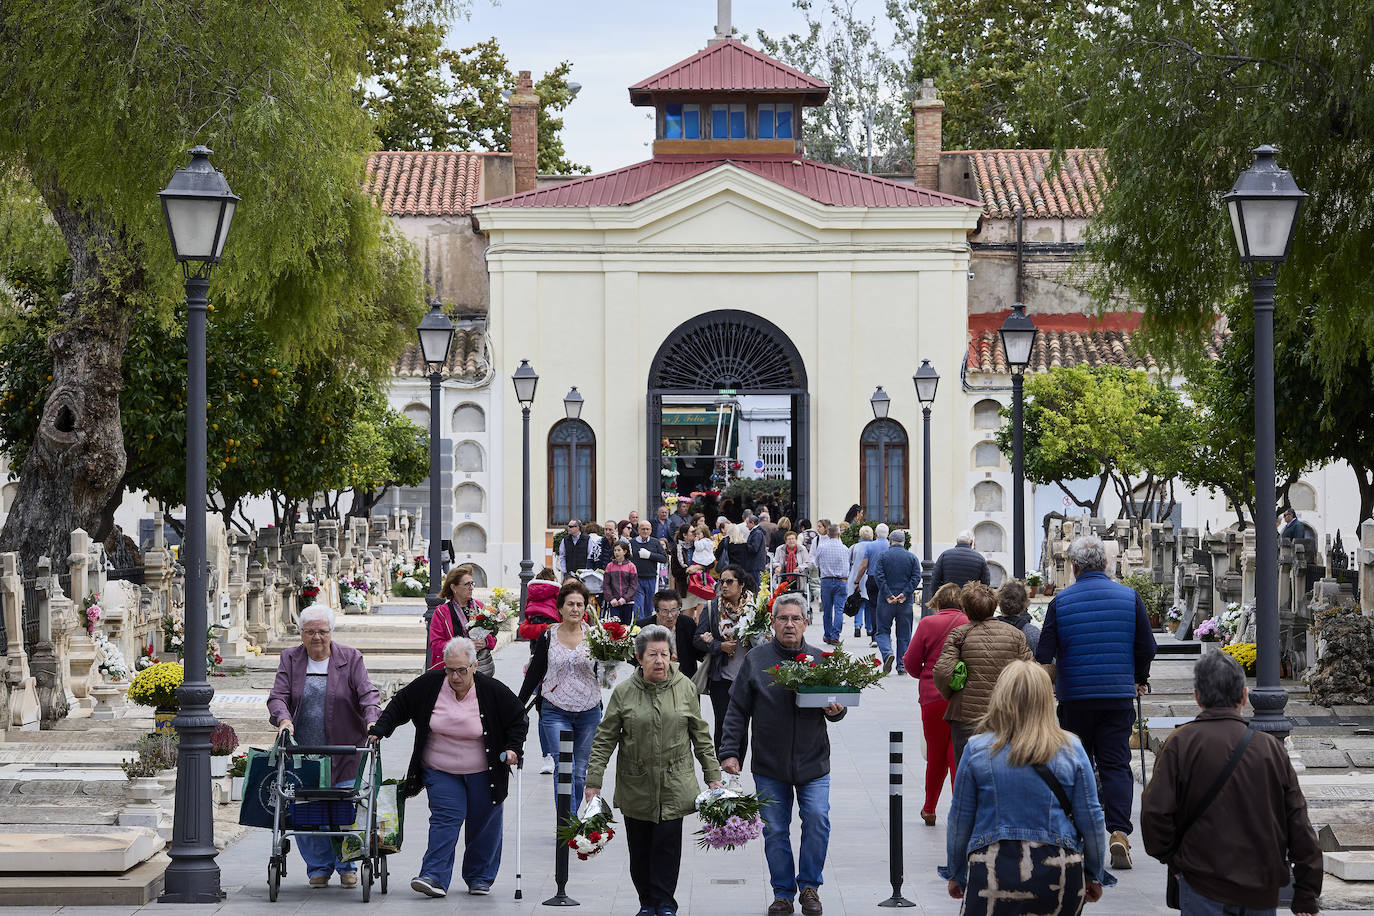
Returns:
(826,184)
(730,66)
(1006,178)
(1071,340)
(467,359)
(425,183)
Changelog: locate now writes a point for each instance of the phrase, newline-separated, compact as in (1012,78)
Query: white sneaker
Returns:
(427,887)
(546,768)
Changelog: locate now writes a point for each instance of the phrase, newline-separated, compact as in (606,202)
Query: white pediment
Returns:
(727,218)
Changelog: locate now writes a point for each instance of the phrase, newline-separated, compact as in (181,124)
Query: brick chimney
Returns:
(524,132)
(927,115)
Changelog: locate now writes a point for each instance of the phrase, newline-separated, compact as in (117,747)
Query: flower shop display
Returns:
(310,591)
(610,644)
(91,613)
(589,830)
(1247,653)
(833,677)
(730,817)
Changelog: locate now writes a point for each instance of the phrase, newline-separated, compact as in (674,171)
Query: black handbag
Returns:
(1171,888)
(853,603)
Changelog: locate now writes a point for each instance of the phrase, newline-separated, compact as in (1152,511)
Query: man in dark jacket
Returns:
(961,564)
(646,552)
(791,757)
(668,613)
(755,548)
(1232,851)
(899,588)
(1098,634)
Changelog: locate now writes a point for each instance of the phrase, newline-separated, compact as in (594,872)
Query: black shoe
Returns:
(810,901)
(665,911)
(887,664)
(646,910)
(780,906)
(857,632)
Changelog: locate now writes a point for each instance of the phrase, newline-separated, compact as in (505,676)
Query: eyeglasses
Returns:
(789,619)
(467,584)
(729,582)
(461,672)
(315,634)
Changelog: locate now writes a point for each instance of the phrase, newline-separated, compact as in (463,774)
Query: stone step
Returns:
(60,814)
(1346,837)
(1357,865)
(29,849)
(136,887)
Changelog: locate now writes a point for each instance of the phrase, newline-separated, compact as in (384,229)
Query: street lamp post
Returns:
(1018,339)
(198,208)
(525,380)
(926,380)
(881,404)
(436,337)
(1264,206)
(572,409)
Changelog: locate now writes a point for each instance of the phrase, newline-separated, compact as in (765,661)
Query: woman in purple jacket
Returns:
(323,695)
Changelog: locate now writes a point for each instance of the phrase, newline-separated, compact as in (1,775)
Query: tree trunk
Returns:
(75,467)
(1365,479)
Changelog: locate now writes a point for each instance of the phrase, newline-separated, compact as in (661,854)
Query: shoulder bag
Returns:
(959,677)
(1171,888)
(701,678)
(1057,787)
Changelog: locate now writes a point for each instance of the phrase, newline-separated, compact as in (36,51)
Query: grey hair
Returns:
(460,644)
(965,537)
(317,612)
(865,533)
(1219,681)
(881,531)
(654,633)
(898,536)
(1087,554)
(790,598)
(832,531)
(720,521)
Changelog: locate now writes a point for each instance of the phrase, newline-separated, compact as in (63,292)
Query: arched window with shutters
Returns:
(572,472)
(884,472)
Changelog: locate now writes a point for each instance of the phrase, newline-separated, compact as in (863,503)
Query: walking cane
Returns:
(1139,736)
(519,801)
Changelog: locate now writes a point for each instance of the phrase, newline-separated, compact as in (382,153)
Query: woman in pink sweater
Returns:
(921,655)
(619,586)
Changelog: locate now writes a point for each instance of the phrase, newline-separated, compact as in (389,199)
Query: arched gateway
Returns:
(724,354)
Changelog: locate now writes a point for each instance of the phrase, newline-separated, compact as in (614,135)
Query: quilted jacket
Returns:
(986,647)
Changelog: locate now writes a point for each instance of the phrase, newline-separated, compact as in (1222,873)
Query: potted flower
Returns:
(223,742)
(1209,634)
(92,613)
(160,751)
(1140,735)
(157,687)
(833,677)
(729,816)
(1173,617)
(238,769)
(610,643)
(142,776)
(1033,581)
(1247,653)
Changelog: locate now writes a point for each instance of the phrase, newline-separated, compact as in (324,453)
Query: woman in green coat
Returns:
(654,718)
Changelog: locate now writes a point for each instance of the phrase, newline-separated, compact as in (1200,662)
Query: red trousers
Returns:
(939,751)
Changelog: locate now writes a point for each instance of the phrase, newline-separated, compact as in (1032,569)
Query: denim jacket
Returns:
(996,801)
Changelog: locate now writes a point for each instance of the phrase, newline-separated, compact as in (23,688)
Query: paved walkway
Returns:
(856,874)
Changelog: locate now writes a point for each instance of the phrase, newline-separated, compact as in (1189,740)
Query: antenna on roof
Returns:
(724,28)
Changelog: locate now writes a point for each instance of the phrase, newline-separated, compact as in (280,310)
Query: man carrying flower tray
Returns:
(791,758)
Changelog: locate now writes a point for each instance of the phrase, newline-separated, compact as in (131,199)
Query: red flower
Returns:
(595,836)
(583,856)
(813,664)
(827,654)
(801,656)
(610,834)
(615,629)
(876,663)
(572,844)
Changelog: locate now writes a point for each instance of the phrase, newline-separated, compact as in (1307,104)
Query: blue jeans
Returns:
(454,800)
(644,599)
(832,607)
(813,803)
(318,851)
(901,614)
(1191,903)
(583,725)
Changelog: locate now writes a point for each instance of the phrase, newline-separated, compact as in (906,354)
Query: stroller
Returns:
(344,813)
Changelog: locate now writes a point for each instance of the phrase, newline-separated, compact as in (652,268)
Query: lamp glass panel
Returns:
(1018,346)
(881,403)
(925,388)
(572,407)
(229,208)
(434,342)
(193,222)
(1268,225)
(1233,207)
(524,387)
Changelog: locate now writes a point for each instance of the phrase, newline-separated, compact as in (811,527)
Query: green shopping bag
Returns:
(391,817)
(256,808)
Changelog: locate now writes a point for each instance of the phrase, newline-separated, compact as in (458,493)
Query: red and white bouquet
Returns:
(589,830)
(485,621)
(610,643)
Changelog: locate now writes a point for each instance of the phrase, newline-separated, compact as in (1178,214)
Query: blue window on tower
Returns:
(784,123)
(681,122)
(672,122)
(720,122)
(775,122)
(691,122)
(737,125)
(765,122)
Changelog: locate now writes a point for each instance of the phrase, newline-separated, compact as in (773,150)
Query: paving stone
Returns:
(49,787)
(1318,759)
(1350,866)
(1346,837)
(1362,759)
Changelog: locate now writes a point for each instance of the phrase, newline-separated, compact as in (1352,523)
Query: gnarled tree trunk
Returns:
(74,469)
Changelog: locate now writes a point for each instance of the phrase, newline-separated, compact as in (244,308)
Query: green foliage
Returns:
(426,96)
(1157,597)
(981,54)
(865,123)
(835,668)
(1181,93)
(1118,425)
(850,536)
(749,493)
(159,750)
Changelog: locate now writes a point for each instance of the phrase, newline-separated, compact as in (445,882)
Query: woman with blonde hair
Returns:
(1026,792)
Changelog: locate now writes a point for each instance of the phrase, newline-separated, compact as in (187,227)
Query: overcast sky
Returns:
(613,44)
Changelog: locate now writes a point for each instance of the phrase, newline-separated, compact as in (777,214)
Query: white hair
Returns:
(881,531)
(1088,554)
(965,537)
(865,533)
(460,644)
(318,612)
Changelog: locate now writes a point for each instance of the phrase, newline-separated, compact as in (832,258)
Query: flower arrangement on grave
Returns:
(410,578)
(223,740)
(669,473)
(1230,621)
(173,634)
(109,660)
(833,669)
(1174,613)
(147,656)
(157,686)
(310,590)
(486,620)
(353,591)
(586,836)
(729,816)
(238,765)
(1208,631)
(91,613)
(1247,653)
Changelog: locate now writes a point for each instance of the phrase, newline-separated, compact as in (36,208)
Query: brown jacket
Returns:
(1238,851)
(986,647)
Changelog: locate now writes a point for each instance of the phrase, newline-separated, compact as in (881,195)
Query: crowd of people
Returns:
(1030,723)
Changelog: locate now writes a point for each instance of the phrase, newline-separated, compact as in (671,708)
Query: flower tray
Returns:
(821,695)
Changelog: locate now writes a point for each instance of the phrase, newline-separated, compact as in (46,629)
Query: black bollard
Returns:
(562,809)
(894,812)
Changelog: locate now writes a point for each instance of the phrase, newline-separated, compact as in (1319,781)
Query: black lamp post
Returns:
(881,403)
(198,207)
(926,380)
(436,337)
(1264,206)
(572,409)
(1018,339)
(525,380)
